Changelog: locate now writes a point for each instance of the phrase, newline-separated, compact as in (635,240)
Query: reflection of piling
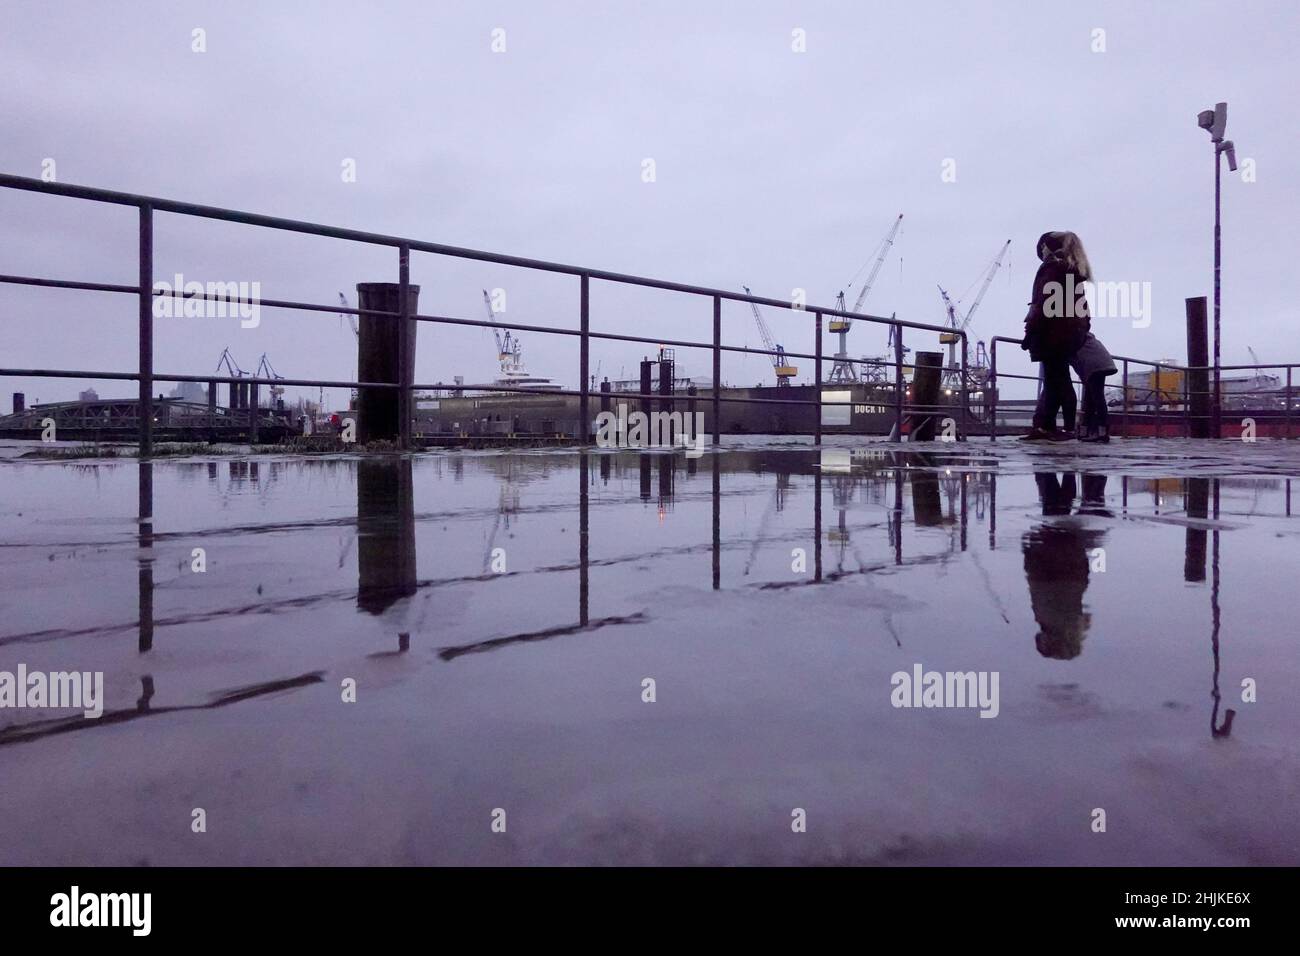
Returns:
(643,462)
(584,553)
(145,541)
(385,534)
(717,515)
(927,503)
(1197,506)
(665,479)
(382,341)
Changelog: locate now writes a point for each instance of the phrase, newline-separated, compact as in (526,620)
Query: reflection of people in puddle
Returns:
(1057,561)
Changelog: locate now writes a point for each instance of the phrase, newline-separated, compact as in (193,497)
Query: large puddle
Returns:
(502,615)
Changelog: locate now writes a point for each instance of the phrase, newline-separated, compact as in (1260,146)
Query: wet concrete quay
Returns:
(500,613)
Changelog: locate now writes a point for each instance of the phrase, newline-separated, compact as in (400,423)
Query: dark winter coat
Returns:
(1058,321)
(1092,358)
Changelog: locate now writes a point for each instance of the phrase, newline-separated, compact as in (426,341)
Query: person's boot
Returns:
(1097,433)
(1037,434)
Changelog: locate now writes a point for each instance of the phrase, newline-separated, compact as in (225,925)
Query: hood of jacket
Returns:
(1050,245)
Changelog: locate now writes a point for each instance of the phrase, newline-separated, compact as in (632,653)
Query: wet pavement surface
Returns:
(1127,596)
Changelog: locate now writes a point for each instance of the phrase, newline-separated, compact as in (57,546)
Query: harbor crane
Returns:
(264,365)
(842,370)
(509,349)
(352,319)
(784,370)
(959,323)
(232,367)
(356,332)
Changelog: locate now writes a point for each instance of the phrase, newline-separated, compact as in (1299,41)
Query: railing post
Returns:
(1187,403)
(1125,387)
(898,383)
(1160,394)
(817,381)
(405,358)
(584,359)
(146,330)
(991,390)
(1287,399)
(965,393)
(717,374)
(253,399)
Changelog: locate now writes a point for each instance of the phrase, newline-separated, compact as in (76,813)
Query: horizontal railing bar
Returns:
(69,284)
(220,379)
(616,336)
(356,235)
(647,396)
(1167,365)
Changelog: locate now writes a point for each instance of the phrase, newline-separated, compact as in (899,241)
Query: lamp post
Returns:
(1215,122)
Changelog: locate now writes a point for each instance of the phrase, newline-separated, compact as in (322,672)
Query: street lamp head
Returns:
(1231,150)
(1214,121)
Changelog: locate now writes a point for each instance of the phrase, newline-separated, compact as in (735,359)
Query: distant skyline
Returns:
(785,139)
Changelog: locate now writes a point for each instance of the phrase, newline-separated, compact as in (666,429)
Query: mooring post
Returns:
(717,370)
(405,346)
(381,322)
(667,370)
(584,361)
(927,378)
(146,330)
(1125,387)
(1198,361)
(991,395)
(965,391)
(897,434)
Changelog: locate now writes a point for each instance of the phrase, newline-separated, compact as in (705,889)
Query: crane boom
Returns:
(784,370)
(352,319)
(885,246)
(988,280)
(501,345)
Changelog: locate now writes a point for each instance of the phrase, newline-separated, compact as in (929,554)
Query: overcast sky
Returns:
(773,168)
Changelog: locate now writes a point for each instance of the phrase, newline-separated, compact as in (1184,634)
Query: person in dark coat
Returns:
(1056,326)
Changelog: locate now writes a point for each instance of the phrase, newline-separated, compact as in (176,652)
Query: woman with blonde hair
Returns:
(1056,326)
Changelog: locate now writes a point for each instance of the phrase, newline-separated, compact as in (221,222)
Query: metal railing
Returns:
(1161,400)
(146,375)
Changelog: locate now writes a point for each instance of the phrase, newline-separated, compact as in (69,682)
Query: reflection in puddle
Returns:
(505,608)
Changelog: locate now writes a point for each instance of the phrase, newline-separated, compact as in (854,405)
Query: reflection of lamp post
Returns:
(1215,121)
